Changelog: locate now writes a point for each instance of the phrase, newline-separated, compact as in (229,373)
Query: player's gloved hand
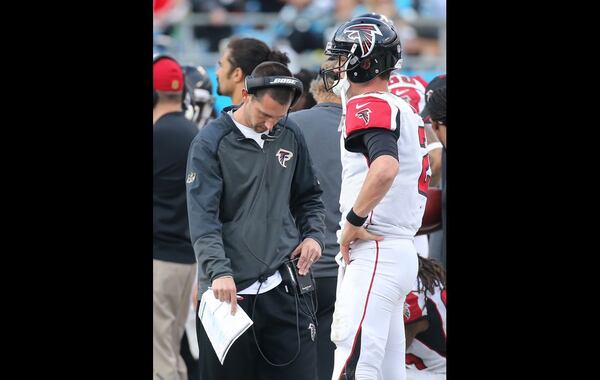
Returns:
(351,233)
(309,251)
(225,291)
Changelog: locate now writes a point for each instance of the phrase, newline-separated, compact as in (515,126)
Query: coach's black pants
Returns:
(326,287)
(275,327)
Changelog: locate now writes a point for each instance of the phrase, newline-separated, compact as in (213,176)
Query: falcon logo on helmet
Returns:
(365,115)
(364,34)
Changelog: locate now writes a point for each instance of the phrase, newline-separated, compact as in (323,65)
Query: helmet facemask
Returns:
(346,60)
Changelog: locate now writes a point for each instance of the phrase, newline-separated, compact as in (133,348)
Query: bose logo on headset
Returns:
(254,84)
(283,80)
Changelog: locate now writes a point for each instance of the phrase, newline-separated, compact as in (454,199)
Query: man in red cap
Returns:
(168,86)
(174,262)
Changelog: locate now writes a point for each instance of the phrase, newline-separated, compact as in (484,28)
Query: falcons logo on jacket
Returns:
(364,34)
(283,156)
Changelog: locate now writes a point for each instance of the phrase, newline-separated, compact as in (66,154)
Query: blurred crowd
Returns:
(197,31)
(293,26)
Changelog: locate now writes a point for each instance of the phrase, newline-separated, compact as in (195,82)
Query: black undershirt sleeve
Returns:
(374,142)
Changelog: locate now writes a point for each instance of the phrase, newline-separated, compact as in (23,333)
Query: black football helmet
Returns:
(198,100)
(377,16)
(365,47)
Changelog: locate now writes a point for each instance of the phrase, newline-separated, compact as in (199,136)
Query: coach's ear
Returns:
(245,95)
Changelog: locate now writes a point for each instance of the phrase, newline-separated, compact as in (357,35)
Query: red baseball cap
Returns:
(168,75)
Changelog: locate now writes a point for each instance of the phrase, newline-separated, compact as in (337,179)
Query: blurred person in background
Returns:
(434,144)
(320,128)
(303,23)
(269,5)
(437,239)
(174,262)
(239,59)
(198,105)
(218,28)
(436,105)
(346,9)
(307,100)
(412,42)
(167,14)
(434,9)
(429,34)
(198,101)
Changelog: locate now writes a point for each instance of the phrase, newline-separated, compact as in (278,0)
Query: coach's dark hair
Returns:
(281,95)
(437,105)
(247,53)
(431,274)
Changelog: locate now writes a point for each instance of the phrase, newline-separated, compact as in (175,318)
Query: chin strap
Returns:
(344,97)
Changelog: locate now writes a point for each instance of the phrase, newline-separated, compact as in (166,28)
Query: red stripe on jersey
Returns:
(443,296)
(412,359)
(414,311)
(368,112)
(364,311)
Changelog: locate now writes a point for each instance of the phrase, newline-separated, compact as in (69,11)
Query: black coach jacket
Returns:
(249,207)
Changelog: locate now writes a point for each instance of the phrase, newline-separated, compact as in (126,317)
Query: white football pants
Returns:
(368,323)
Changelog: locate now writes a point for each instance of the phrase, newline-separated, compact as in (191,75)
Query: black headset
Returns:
(255,84)
(156,58)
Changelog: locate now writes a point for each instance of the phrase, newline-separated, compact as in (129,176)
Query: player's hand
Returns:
(350,233)
(224,290)
(309,251)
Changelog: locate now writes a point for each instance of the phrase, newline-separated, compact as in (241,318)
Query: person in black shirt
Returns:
(174,262)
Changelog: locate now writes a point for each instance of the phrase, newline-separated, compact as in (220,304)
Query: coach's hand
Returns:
(309,251)
(224,290)
(351,233)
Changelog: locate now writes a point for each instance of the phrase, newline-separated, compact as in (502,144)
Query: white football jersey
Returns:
(400,212)
(427,351)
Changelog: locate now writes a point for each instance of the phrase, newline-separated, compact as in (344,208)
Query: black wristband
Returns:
(354,219)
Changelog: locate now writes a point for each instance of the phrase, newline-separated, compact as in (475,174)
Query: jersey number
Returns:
(408,93)
(424,177)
